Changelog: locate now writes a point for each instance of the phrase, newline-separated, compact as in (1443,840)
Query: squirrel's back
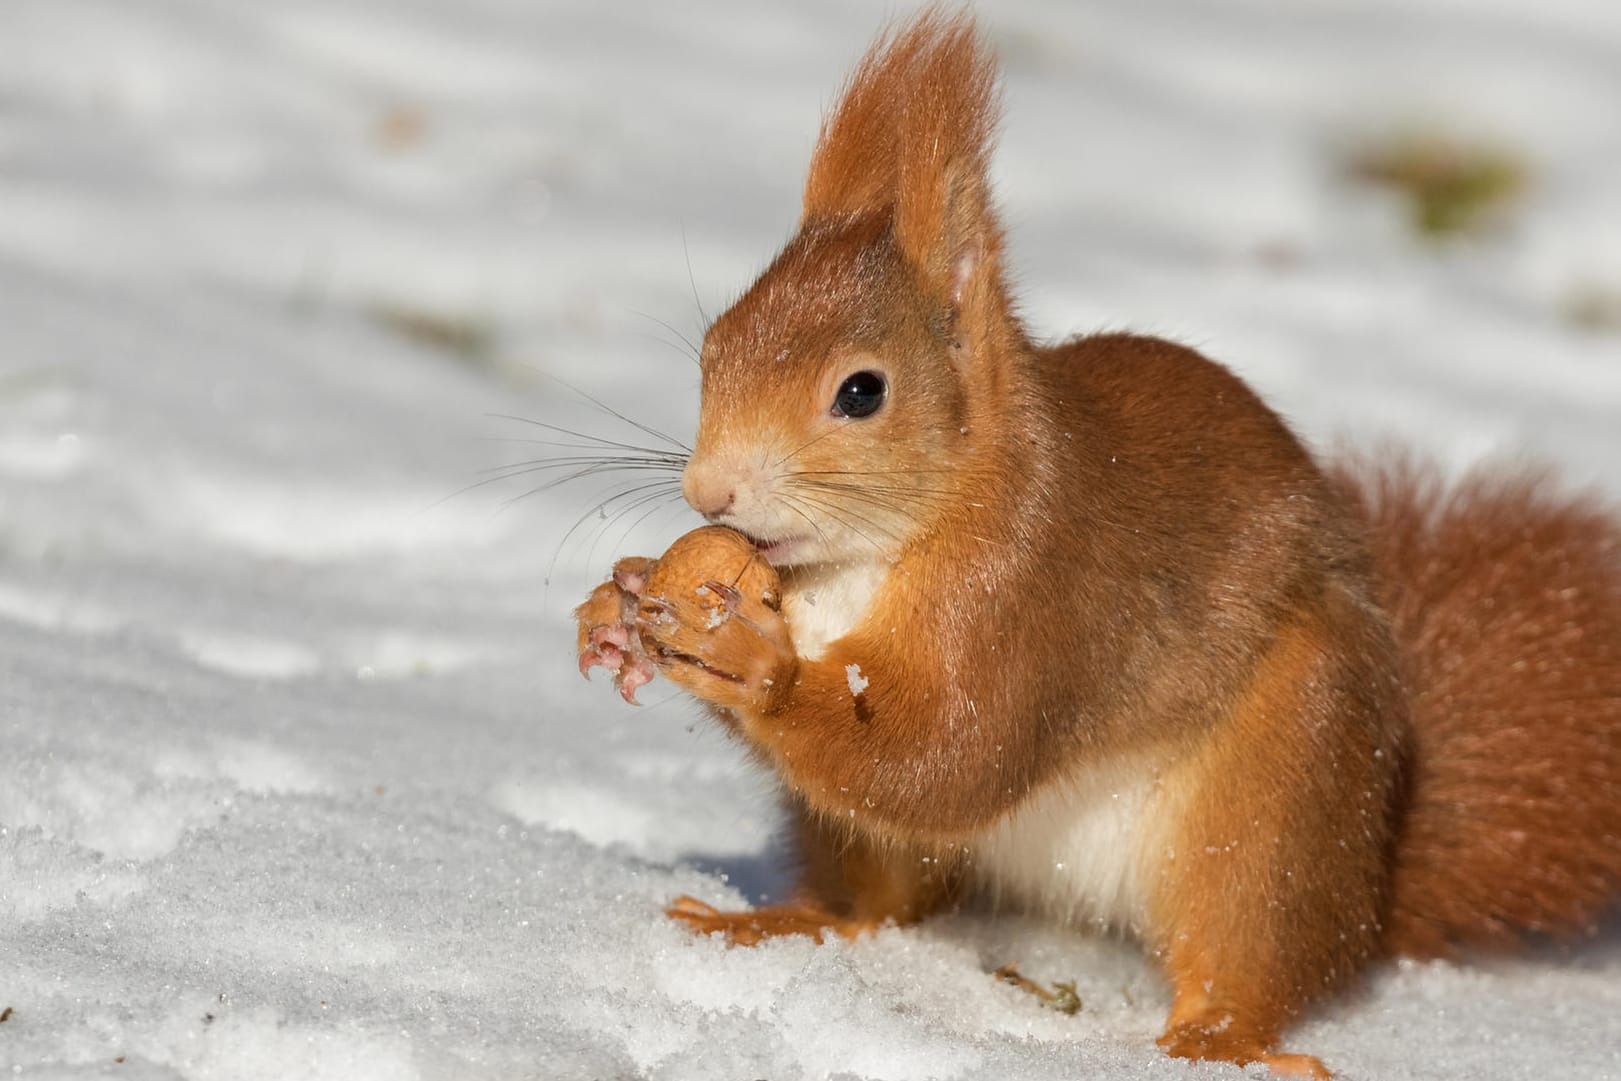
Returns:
(1504,598)
(1506,604)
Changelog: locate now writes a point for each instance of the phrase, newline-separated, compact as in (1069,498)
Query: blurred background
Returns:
(1391,215)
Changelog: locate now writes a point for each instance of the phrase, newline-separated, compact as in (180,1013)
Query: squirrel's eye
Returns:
(860,395)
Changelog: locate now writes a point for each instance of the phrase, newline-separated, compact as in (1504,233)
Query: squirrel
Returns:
(1086,628)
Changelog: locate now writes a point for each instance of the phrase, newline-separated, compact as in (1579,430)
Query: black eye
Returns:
(860,395)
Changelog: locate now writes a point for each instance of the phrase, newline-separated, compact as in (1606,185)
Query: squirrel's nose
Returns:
(711,495)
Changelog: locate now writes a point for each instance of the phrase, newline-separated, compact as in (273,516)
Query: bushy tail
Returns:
(1506,599)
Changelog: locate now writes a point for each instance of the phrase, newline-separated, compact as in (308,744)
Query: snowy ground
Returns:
(296,777)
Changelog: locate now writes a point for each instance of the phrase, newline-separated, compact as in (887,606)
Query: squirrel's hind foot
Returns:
(1225,1042)
(751,927)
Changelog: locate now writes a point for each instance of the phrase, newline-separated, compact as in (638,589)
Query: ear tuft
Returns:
(912,132)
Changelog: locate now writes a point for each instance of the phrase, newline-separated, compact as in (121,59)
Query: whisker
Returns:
(625,492)
(800,449)
(597,440)
(569,461)
(617,415)
(849,508)
(754,557)
(555,482)
(686,253)
(583,467)
(883,497)
(844,514)
(876,511)
(673,456)
(792,504)
(638,474)
(680,347)
(876,547)
(600,509)
(668,500)
(865,472)
(686,341)
(659,500)
(871,492)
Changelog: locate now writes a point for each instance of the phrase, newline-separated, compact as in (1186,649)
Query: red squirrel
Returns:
(1085,628)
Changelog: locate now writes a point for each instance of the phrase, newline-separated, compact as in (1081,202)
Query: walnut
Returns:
(716,569)
(707,577)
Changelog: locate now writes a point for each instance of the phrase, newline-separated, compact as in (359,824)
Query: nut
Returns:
(717,569)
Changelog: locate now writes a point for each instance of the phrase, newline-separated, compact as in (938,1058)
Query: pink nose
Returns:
(710,496)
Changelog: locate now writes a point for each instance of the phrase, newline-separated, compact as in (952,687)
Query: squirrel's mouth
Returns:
(775,552)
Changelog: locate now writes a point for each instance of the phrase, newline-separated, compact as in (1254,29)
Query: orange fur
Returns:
(1342,721)
(1506,598)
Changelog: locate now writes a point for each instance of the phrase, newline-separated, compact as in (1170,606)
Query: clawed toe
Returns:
(687,905)
(608,637)
(596,658)
(752,927)
(1223,1043)
(632,676)
(614,634)
(630,574)
(729,597)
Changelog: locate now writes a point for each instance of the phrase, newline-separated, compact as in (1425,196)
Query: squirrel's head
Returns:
(845,393)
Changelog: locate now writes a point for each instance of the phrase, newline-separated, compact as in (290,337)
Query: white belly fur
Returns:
(1075,851)
(823,605)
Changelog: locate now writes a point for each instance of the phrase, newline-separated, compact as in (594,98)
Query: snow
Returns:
(857,682)
(297,780)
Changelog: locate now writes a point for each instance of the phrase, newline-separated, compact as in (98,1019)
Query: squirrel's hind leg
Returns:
(1268,892)
(849,884)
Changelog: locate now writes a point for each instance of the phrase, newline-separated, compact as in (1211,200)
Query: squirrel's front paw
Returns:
(711,643)
(709,618)
(607,628)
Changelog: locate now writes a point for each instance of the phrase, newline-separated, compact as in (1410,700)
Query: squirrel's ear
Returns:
(943,218)
(852,170)
(912,137)
(950,234)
